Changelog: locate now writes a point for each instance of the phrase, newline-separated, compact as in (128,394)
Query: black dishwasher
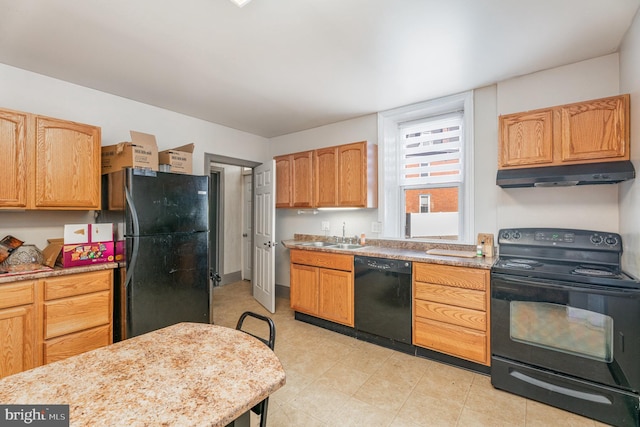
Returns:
(383,302)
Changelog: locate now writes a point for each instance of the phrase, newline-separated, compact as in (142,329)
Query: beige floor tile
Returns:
(342,378)
(427,411)
(471,418)
(288,416)
(541,415)
(319,401)
(383,394)
(356,413)
(403,369)
(399,422)
(489,401)
(442,382)
(336,380)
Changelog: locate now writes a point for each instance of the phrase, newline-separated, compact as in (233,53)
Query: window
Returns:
(425,158)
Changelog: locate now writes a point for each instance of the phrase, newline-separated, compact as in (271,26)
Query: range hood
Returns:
(567,175)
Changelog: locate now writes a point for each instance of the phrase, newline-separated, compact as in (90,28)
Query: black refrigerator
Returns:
(163,219)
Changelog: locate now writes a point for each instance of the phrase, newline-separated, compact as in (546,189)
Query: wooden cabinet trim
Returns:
(76,343)
(17,334)
(451,314)
(467,298)
(322,259)
(16,294)
(77,284)
(452,339)
(462,277)
(67,315)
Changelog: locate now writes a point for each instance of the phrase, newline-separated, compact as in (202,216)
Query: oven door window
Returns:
(562,328)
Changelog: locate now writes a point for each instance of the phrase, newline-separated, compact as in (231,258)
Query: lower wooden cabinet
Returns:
(77,314)
(322,285)
(50,319)
(17,328)
(451,311)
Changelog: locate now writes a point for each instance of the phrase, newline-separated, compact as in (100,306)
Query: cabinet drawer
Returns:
(468,298)
(16,294)
(322,259)
(70,345)
(464,317)
(77,284)
(461,277)
(450,339)
(69,315)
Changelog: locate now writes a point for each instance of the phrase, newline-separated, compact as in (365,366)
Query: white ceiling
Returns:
(278,66)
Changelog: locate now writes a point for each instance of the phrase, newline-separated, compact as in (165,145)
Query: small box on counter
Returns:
(83,244)
(179,159)
(140,152)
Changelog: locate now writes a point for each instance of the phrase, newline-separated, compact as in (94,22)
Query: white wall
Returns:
(630,191)
(588,207)
(288,221)
(30,92)
(592,207)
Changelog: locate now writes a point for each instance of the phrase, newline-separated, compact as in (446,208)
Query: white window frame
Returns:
(391,203)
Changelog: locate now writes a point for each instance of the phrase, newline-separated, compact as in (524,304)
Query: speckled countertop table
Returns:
(58,271)
(189,374)
(403,250)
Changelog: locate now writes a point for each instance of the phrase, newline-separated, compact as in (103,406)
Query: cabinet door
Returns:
(302,179)
(80,342)
(17,340)
(304,289)
(67,165)
(326,177)
(283,182)
(526,139)
(352,175)
(596,130)
(336,296)
(13,161)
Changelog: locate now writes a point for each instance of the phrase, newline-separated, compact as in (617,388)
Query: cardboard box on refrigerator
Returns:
(180,159)
(140,152)
(83,244)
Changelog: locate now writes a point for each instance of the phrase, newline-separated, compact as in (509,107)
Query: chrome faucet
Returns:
(344,225)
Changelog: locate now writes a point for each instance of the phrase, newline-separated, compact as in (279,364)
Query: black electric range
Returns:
(579,256)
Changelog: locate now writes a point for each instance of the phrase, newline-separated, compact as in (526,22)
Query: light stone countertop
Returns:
(189,374)
(58,271)
(406,251)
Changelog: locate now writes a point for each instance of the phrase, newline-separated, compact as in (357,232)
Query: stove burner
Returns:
(593,271)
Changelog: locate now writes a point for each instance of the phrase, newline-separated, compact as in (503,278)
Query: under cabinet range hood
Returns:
(567,175)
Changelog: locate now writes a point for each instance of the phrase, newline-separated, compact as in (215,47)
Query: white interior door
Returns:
(264,236)
(247,226)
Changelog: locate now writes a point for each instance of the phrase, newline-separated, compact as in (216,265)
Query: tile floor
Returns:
(335,380)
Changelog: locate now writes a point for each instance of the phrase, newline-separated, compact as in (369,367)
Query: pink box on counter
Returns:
(119,250)
(87,253)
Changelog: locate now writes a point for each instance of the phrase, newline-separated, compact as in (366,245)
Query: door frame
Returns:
(218,260)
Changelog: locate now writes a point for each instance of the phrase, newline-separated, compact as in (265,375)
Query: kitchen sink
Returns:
(345,246)
(318,244)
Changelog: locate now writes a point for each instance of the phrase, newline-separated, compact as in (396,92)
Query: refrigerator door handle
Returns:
(136,233)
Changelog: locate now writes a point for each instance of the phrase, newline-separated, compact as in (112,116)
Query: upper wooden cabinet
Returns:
(357,175)
(51,164)
(13,146)
(583,132)
(339,176)
(294,185)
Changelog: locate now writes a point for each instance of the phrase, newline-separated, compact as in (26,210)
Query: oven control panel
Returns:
(574,239)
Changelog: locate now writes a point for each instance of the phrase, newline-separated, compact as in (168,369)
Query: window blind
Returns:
(431,151)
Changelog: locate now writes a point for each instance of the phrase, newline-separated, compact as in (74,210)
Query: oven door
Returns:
(585,331)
